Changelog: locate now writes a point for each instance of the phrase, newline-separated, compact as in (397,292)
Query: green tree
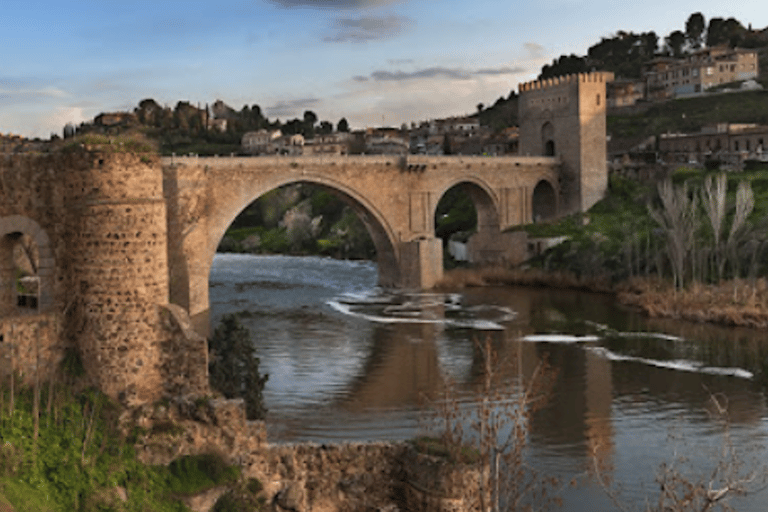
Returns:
(234,368)
(694,30)
(674,43)
(343,125)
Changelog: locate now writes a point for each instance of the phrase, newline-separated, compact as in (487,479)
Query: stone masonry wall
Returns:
(31,345)
(118,268)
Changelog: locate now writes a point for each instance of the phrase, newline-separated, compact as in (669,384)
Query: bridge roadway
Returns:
(395,197)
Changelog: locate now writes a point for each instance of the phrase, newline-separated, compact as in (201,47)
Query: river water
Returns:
(348,361)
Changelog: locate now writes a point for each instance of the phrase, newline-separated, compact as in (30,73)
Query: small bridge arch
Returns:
(483,198)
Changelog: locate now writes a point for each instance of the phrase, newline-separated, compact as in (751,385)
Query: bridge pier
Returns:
(421,263)
(489,247)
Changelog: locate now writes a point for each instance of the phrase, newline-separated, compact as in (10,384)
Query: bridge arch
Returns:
(482,196)
(381,233)
(12,230)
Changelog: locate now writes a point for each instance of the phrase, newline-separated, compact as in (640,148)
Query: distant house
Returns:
(386,141)
(260,142)
(729,144)
(504,143)
(624,93)
(336,143)
(292,145)
(704,69)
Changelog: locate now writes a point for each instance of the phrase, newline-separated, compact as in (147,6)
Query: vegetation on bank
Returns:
(234,367)
(62,449)
(65,448)
(695,247)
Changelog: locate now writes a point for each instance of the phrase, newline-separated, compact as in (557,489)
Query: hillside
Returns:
(687,115)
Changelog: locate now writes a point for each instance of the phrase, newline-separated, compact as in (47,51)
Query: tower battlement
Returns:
(558,81)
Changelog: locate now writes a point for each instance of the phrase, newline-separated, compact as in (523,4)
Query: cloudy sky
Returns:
(372,61)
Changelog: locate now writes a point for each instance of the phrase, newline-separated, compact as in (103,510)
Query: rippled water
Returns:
(348,361)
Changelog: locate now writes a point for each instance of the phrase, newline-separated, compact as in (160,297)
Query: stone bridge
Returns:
(117,247)
(395,197)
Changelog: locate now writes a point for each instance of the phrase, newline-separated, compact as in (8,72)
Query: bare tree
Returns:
(678,217)
(732,474)
(494,423)
(714,201)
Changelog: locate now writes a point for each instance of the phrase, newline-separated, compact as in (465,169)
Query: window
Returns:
(598,100)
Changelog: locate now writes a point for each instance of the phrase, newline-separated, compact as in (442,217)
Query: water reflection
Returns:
(350,362)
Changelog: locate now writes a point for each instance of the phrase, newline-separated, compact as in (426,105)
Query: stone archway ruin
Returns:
(24,251)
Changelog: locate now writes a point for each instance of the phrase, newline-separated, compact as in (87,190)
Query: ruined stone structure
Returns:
(124,242)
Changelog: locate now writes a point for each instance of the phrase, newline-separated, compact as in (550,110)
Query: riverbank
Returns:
(738,302)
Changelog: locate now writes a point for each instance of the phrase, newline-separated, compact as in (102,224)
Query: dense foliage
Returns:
(234,367)
(625,52)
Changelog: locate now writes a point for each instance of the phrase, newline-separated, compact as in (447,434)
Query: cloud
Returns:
(332,4)
(436,72)
(535,50)
(397,62)
(291,107)
(368,28)
(13,95)
(504,70)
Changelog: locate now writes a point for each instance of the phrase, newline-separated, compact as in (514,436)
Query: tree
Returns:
(325,127)
(494,425)
(343,125)
(480,107)
(675,42)
(234,367)
(694,30)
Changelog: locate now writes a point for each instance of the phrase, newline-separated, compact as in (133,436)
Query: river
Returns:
(348,361)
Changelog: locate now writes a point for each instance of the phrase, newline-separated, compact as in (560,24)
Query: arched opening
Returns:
(24,285)
(21,284)
(286,265)
(463,212)
(548,139)
(544,201)
(309,218)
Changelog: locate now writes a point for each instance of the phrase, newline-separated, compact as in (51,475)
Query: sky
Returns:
(374,62)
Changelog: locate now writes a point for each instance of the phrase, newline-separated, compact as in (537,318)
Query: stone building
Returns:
(565,117)
(728,144)
(702,70)
(336,143)
(260,142)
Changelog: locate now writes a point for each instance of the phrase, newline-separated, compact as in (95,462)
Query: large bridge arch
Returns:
(378,228)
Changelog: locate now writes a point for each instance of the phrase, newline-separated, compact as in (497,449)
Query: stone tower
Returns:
(118,270)
(564,117)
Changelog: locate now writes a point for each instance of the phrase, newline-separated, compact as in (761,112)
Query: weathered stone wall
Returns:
(31,346)
(116,230)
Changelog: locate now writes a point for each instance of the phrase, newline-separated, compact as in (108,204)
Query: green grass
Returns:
(80,456)
(688,115)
